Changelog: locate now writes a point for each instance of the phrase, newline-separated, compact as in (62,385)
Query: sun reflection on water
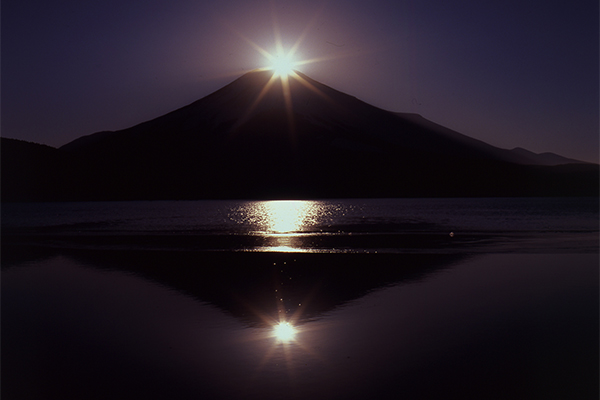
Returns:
(284,332)
(283,223)
(287,216)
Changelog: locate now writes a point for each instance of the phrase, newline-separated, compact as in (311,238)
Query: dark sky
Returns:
(511,73)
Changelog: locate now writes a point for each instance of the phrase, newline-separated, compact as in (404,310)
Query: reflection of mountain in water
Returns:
(254,286)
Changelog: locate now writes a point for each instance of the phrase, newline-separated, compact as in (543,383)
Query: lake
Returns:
(347,299)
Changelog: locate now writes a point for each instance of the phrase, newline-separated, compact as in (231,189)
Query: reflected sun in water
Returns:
(284,332)
(287,216)
(286,346)
(282,222)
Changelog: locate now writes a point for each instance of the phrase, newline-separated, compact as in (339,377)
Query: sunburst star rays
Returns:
(283,64)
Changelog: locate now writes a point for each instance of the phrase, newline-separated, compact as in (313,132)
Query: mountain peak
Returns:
(263,136)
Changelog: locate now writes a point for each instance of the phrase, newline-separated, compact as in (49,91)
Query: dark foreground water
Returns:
(416,299)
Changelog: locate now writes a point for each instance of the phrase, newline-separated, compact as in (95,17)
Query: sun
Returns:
(284,58)
(285,62)
(282,65)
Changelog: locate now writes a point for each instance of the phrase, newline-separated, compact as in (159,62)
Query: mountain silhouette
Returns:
(265,137)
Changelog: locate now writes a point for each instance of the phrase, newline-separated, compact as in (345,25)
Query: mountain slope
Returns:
(347,120)
(259,137)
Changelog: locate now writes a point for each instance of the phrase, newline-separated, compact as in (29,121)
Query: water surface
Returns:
(419,299)
(355,225)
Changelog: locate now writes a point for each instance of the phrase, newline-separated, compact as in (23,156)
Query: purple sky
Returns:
(511,73)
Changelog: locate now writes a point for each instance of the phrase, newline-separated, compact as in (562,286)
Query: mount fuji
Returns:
(270,138)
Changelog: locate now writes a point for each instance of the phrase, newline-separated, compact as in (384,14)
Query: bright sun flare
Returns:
(284,331)
(282,65)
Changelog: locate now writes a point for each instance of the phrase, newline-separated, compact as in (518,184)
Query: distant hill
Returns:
(31,171)
(260,138)
(517,155)
(528,157)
